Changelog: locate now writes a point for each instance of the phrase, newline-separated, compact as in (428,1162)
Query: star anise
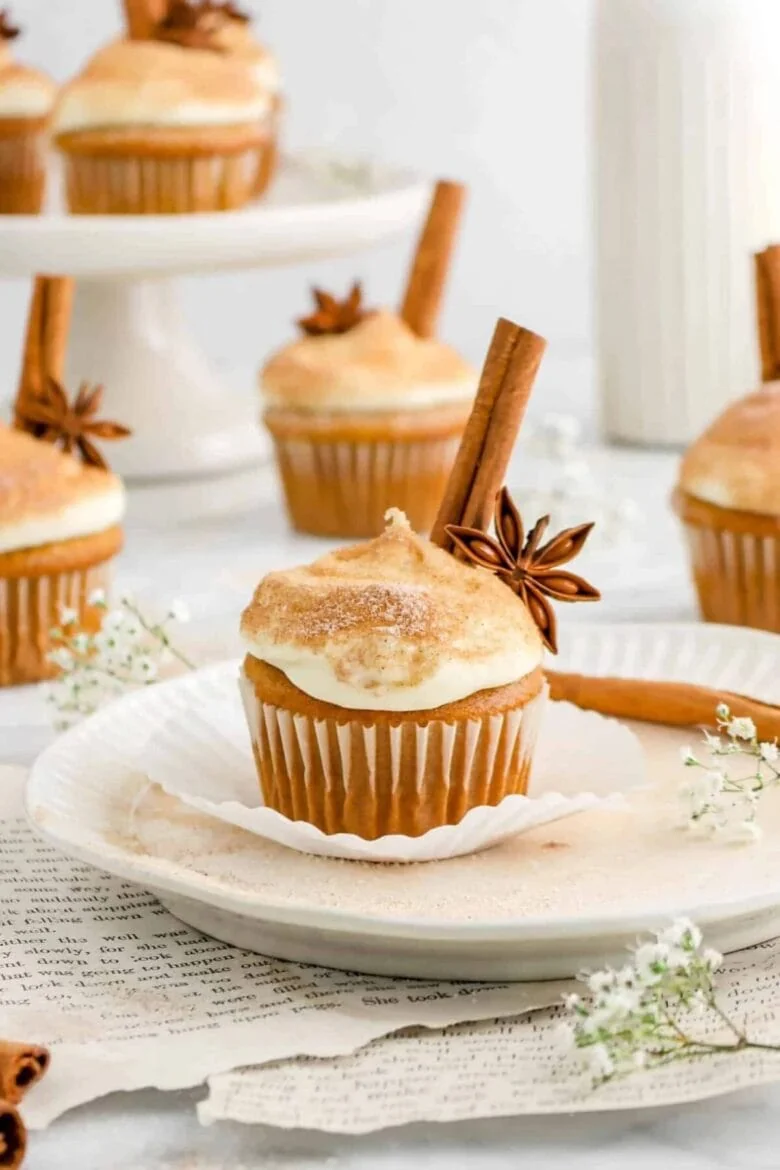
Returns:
(334,316)
(8,30)
(533,572)
(190,24)
(52,418)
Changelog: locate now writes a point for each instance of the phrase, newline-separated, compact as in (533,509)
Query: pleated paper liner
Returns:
(118,176)
(735,558)
(23,157)
(30,608)
(202,755)
(340,476)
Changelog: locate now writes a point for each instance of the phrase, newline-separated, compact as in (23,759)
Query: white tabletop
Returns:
(195,543)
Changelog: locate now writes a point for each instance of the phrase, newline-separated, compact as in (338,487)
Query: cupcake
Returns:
(390,688)
(26,100)
(234,35)
(728,498)
(59,531)
(365,415)
(167,125)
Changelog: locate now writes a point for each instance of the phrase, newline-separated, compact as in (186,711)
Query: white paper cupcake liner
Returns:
(583,761)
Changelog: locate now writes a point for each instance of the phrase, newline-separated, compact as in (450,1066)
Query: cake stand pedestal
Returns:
(128,331)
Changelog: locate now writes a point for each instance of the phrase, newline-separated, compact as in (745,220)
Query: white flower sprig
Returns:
(572,489)
(126,652)
(659,1008)
(715,801)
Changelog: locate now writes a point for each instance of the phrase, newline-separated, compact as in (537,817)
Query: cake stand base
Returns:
(130,335)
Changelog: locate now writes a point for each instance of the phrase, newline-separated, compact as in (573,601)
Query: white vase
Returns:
(687,188)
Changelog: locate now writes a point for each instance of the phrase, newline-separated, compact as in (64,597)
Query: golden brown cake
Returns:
(26,100)
(172,124)
(365,415)
(390,688)
(59,531)
(728,498)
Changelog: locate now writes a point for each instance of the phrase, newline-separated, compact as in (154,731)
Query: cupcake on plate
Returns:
(26,100)
(168,125)
(59,531)
(389,688)
(364,415)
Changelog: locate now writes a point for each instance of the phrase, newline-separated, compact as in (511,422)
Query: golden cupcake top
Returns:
(355,359)
(736,462)
(24,92)
(393,623)
(161,83)
(47,495)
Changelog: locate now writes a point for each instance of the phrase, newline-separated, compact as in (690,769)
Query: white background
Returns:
(494,92)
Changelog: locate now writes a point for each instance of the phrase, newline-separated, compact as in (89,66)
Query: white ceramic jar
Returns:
(687,187)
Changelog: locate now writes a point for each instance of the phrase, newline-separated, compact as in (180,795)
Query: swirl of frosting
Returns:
(736,462)
(47,496)
(377,366)
(392,624)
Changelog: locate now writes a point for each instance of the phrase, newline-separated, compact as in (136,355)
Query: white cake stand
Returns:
(129,334)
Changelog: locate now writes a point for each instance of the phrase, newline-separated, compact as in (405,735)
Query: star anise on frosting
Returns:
(72,426)
(8,30)
(334,316)
(190,24)
(533,572)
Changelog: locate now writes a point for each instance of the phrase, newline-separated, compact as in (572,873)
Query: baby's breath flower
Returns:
(687,756)
(742,728)
(770,752)
(68,616)
(179,612)
(643,1015)
(97,599)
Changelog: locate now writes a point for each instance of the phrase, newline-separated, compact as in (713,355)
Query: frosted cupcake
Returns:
(167,125)
(389,687)
(26,100)
(59,531)
(365,415)
(728,498)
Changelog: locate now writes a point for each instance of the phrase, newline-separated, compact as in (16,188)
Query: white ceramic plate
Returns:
(263,897)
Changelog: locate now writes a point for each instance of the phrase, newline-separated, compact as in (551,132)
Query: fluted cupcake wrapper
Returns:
(23,172)
(30,608)
(200,754)
(344,488)
(737,576)
(157,184)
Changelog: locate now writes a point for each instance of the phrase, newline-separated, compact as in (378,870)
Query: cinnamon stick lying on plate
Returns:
(21,1066)
(432,260)
(677,704)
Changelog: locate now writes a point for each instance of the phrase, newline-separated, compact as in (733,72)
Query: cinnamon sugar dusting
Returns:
(38,480)
(736,462)
(392,610)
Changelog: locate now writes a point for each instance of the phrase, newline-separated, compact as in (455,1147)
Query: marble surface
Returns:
(208,545)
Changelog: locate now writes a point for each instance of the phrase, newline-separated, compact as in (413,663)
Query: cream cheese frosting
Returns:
(24,92)
(47,496)
(736,462)
(151,83)
(393,624)
(378,365)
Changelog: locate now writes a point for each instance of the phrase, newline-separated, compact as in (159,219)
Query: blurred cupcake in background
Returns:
(168,123)
(367,408)
(61,508)
(728,492)
(26,100)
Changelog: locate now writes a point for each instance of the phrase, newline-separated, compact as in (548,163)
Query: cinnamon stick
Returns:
(143,16)
(676,704)
(46,341)
(13,1137)
(504,389)
(768,311)
(432,259)
(21,1066)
